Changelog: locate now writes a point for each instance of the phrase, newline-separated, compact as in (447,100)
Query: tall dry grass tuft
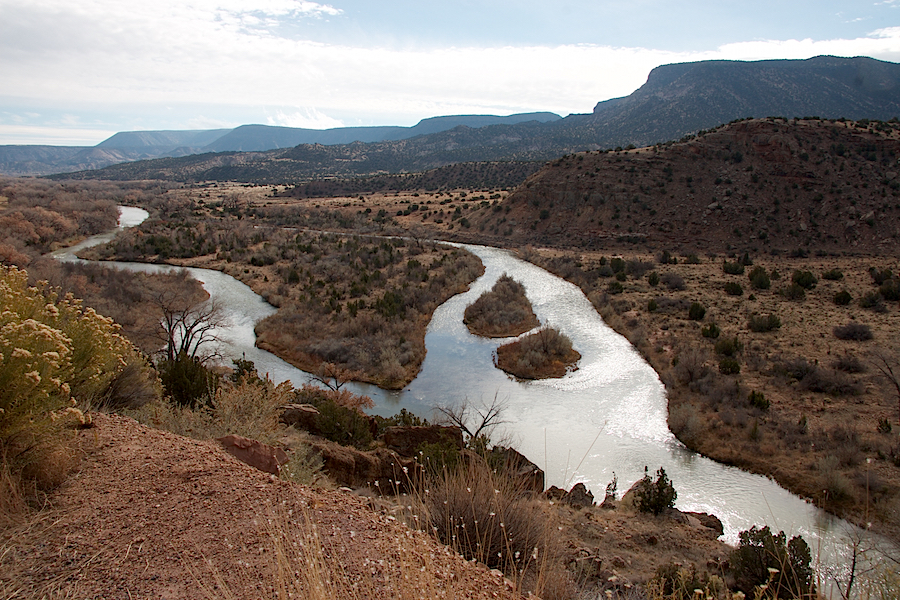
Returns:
(305,565)
(487,516)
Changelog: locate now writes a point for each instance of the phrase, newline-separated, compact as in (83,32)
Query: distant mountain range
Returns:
(677,100)
(128,146)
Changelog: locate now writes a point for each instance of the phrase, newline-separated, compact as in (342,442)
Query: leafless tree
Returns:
(475,421)
(887,365)
(334,376)
(186,327)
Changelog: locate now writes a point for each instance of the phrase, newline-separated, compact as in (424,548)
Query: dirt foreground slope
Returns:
(155,515)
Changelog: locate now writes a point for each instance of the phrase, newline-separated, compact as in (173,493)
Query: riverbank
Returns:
(821,420)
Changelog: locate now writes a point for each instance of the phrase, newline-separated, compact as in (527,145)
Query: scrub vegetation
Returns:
(503,311)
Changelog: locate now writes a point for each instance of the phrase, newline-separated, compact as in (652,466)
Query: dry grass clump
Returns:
(545,353)
(249,408)
(488,516)
(503,311)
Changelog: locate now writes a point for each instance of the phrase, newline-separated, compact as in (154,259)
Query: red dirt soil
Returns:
(154,515)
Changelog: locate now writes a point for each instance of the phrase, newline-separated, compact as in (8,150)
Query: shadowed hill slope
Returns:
(757,185)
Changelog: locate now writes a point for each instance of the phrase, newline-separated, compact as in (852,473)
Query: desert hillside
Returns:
(756,185)
(155,515)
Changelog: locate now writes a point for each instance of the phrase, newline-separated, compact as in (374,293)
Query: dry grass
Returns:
(487,516)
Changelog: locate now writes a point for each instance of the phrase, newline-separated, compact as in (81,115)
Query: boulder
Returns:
(405,441)
(709,521)
(579,496)
(380,469)
(261,456)
(522,470)
(301,416)
(554,493)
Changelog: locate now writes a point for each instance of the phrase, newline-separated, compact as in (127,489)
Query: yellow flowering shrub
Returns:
(54,355)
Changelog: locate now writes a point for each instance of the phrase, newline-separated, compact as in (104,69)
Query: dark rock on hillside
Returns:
(261,456)
(406,441)
(522,470)
(380,468)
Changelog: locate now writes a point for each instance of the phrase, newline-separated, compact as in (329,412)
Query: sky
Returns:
(73,72)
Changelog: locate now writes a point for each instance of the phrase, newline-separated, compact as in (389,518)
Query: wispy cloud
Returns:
(307,118)
(105,55)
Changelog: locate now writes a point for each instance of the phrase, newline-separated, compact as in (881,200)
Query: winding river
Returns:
(607,416)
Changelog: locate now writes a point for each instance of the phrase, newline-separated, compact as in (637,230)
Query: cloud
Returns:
(129,57)
(306,118)
(51,136)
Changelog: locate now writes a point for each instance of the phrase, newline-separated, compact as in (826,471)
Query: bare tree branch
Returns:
(334,376)
(889,368)
(185,327)
(475,422)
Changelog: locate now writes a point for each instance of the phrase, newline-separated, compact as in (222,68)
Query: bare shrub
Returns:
(673,281)
(813,378)
(849,364)
(691,365)
(858,332)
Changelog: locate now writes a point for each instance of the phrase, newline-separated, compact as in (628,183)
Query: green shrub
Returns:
(666,258)
(879,276)
(614,287)
(438,457)
(804,279)
(710,330)
(833,275)
(653,278)
(873,301)
(842,298)
(655,496)
(793,292)
(620,276)
(762,324)
(652,305)
(729,366)
(763,559)
(696,312)
(733,288)
(890,290)
(728,346)
(735,268)
(758,400)
(759,279)
(187,381)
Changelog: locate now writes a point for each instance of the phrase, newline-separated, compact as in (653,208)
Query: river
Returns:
(607,416)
